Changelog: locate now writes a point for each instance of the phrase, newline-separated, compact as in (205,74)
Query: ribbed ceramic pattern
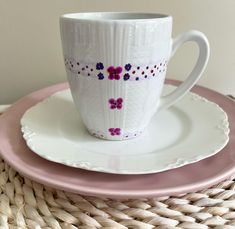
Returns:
(115,44)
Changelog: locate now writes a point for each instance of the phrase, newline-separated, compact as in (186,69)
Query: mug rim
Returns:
(115,16)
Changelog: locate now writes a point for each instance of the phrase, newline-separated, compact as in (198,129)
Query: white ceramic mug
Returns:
(116,65)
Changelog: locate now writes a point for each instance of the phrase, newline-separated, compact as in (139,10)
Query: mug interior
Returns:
(114,16)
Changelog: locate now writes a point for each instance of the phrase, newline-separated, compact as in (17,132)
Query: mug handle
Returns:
(184,87)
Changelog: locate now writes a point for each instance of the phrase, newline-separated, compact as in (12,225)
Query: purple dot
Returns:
(137,78)
(126,76)
(83,69)
(72,65)
(145,76)
(138,67)
(111,77)
(99,66)
(79,72)
(118,131)
(155,66)
(127,67)
(147,67)
(77,63)
(111,100)
(117,77)
(119,100)
(88,74)
(91,69)
(86,66)
(100,76)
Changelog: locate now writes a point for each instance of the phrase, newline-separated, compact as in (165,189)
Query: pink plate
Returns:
(189,178)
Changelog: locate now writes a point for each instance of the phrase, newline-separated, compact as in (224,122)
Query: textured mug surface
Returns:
(116,65)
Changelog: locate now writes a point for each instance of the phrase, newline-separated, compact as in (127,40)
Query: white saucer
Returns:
(191,130)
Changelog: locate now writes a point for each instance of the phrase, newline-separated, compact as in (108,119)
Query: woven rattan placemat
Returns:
(27,204)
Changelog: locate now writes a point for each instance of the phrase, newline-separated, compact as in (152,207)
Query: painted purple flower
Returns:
(99,66)
(128,67)
(100,76)
(114,73)
(115,103)
(126,77)
(115,131)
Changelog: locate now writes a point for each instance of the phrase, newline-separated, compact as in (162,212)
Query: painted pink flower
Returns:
(115,103)
(115,131)
(114,73)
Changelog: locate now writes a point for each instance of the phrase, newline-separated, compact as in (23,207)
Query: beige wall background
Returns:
(30,49)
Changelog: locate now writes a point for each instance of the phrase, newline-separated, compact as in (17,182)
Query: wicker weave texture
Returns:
(27,204)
